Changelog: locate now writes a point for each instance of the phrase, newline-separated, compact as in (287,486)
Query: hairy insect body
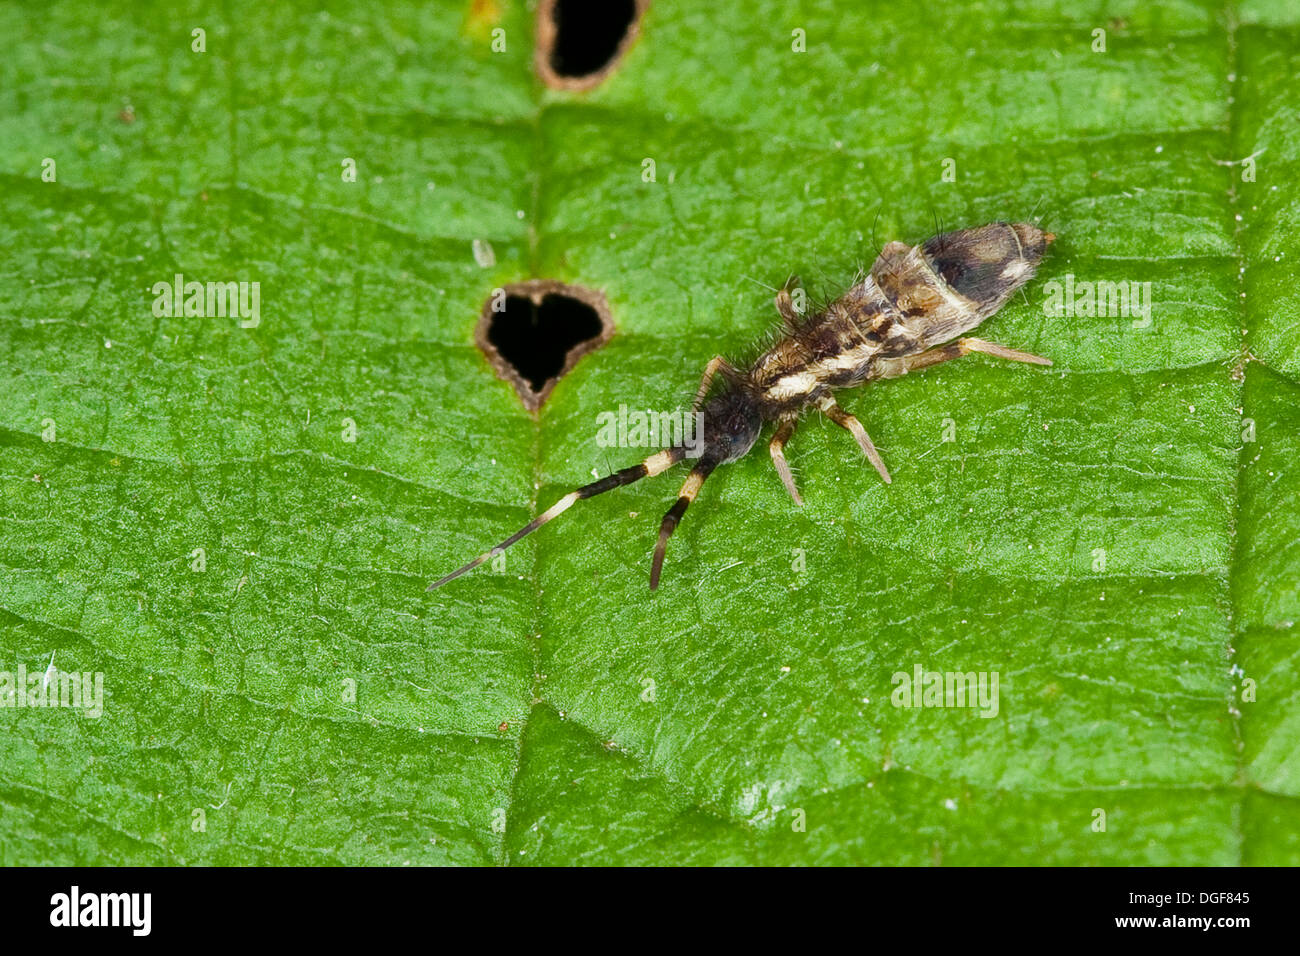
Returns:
(914,298)
(896,320)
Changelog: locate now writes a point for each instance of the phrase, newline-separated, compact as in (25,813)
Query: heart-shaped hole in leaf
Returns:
(579,42)
(534,332)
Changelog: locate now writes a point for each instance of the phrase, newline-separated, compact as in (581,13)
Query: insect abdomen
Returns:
(915,297)
(956,280)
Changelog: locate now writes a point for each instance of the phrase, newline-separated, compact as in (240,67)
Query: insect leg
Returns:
(777,448)
(892,368)
(785,304)
(716,364)
(1001,351)
(842,418)
(690,489)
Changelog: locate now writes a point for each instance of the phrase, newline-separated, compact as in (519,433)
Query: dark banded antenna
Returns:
(656,463)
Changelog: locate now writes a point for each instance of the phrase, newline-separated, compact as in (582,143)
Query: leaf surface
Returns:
(1115,537)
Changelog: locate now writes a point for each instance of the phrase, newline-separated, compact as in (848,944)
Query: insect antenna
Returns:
(690,489)
(656,463)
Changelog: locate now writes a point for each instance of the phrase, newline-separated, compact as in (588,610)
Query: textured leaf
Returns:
(1115,536)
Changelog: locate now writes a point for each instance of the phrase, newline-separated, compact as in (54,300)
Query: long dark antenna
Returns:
(656,463)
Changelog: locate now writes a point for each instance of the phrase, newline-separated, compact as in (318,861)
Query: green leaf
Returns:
(1114,536)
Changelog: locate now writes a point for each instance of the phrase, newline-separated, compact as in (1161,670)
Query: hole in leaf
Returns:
(579,42)
(535,332)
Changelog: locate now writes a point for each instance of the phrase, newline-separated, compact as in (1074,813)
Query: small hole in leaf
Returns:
(534,333)
(535,336)
(579,42)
